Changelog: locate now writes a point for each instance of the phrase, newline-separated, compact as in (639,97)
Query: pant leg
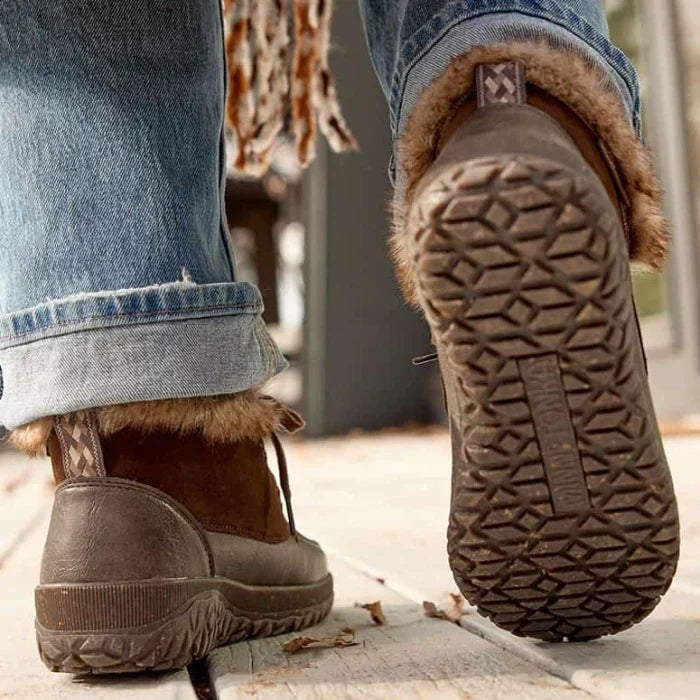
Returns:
(413,41)
(425,53)
(117,281)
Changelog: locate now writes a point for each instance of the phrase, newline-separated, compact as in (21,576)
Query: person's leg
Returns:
(413,41)
(522,191)
(424,54)
(116,275)
(127,344)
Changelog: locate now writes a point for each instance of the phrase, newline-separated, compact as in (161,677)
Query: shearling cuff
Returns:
(582,87)
(228,418)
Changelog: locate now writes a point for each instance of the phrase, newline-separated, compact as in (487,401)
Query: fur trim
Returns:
(228,418)
(305,58)
(581,86)
(219,418)
(32,437)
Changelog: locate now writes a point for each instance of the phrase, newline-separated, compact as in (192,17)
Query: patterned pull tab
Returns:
(80,444)
(289,420)
(500,83)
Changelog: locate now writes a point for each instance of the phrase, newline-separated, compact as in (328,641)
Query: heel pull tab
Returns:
(500,83)
(79,438)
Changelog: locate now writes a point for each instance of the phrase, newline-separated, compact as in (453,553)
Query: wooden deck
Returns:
(378,504)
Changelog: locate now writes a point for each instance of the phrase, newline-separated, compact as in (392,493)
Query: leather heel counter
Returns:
(510,129)
(521,130)
(111,529)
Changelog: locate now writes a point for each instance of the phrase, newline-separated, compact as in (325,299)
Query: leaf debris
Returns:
(375,611)
(453,611)
(346,638)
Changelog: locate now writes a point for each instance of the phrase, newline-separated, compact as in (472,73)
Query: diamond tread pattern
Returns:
(517,257)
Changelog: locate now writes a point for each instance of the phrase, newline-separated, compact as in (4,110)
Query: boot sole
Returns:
(164,624)
(563,522)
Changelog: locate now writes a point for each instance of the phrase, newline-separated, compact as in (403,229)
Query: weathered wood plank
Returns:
(384,508)
(22,673)
(410,657)
(381,500)
(657,659)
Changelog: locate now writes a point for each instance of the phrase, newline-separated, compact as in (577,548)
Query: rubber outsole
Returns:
(563,523)
(158,625)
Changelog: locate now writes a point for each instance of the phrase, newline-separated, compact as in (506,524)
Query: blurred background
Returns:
(318,249)
(316,243)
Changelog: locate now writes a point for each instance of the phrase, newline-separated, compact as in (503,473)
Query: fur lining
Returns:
(580,85)
(227,418)
(32,437)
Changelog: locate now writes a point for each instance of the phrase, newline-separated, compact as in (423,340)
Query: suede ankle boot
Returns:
(164,545)
(563,522)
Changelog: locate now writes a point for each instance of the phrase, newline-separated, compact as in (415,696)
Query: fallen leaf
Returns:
(375,611)
(345,639)
(431,610)
(453,611)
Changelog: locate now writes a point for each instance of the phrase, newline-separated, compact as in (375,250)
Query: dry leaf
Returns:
(375,611)
(345,639)
(431,610)
(453,611)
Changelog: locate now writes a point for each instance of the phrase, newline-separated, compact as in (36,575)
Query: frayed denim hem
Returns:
(139,345)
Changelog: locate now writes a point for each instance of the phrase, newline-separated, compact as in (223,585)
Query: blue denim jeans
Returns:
(117,281)
(411,42)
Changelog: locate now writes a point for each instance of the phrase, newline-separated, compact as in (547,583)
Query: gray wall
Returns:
(360,335)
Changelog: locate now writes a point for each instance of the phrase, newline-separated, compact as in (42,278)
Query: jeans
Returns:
(117,280)
(411,42)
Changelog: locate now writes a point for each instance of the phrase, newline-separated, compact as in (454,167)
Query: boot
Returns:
(164,545)
(563,520)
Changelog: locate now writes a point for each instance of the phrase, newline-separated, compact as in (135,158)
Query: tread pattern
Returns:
(517,257)
(204,623)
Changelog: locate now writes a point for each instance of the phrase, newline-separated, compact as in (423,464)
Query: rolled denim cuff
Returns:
(169,341)
(459,27)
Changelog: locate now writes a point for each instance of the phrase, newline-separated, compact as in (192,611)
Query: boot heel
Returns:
(130,626)
(564,521)
(133,626)
(141,592)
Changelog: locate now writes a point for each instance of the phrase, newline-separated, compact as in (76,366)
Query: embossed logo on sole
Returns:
(555,433)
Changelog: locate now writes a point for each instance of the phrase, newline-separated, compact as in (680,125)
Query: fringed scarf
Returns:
(272,85)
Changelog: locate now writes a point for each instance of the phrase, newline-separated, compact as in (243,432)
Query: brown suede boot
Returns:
(165,545)
(563,522)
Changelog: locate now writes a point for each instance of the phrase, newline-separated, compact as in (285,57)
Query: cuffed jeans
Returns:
(117,281)
(412,42)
